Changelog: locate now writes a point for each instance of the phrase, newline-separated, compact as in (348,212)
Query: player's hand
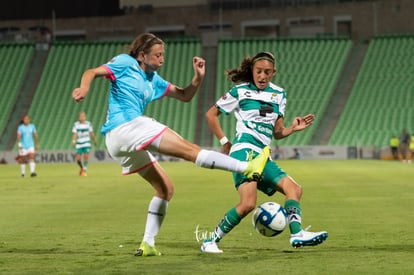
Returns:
(225,149)
(300,123)
(199,66)
(79,94)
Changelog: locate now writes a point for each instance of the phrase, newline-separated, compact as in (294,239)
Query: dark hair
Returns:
(143,42)
(244,72)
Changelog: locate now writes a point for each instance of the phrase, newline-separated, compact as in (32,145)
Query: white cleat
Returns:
(210,247)
(306,238)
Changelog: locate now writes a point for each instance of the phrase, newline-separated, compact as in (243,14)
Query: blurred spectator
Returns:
(277,153)
(405,139)
(296,154)
(394,142)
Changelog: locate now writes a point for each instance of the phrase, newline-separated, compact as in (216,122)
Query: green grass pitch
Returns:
(60,223)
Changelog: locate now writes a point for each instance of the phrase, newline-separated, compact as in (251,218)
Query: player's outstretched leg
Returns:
(255,167)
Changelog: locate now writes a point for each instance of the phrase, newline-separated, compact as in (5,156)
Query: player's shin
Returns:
(229,221)
(294,212)
(156,213)
(23,169)
(32,166)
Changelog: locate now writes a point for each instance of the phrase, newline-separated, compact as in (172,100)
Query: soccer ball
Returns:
(269,219)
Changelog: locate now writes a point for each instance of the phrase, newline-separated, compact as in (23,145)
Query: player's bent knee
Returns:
(245,209)
(169,194)
(166,193)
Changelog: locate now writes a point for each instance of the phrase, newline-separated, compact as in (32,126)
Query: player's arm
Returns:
(88,76)
(187,93)
(74,137)
(93,137)
(19,138)
(36,139)
(298,124)
(214,125)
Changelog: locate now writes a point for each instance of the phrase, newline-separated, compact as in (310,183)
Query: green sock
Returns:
(229,221)
(85,165)
(294,212)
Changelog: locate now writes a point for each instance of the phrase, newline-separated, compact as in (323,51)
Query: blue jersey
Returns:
(131,90)
(26,133)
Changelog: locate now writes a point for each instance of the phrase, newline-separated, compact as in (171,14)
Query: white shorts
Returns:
(26,151)
(129,142)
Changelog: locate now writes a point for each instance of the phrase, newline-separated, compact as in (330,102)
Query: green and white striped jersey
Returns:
(82,131)
(256,112)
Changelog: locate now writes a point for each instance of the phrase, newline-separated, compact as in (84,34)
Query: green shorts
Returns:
(272,173)
(83,150)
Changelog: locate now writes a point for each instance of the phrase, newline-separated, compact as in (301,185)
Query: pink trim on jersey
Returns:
(151,140)
(167,90)
(141,168)
(111,75)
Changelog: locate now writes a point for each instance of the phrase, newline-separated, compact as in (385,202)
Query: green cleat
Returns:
(255,167)
(146,250)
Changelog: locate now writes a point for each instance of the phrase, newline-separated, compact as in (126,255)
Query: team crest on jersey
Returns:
(273,98)
(224,97)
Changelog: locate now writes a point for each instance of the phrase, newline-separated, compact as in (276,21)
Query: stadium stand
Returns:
(381,101)
(52,109)
(14,62)
(54,112)
(379,104)
(307,69)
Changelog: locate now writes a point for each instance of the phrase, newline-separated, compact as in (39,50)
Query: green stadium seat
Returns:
(15,59)
(380,103)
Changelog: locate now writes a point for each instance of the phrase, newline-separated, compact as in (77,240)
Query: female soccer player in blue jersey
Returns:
(259,106)
(130,135)
(27,141)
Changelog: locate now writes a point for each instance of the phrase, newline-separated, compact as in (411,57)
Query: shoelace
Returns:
(307,228)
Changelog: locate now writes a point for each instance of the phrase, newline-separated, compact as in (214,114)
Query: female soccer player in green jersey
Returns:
(259,106)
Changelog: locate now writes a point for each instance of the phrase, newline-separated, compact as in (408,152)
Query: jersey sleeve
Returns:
(228,102)
(74,128)
(90,127)
(282,104)
(161,87)
(116,66)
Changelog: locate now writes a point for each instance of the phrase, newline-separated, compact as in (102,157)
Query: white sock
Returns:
(215,160)
(32,165)
(156,213)
(23,168)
